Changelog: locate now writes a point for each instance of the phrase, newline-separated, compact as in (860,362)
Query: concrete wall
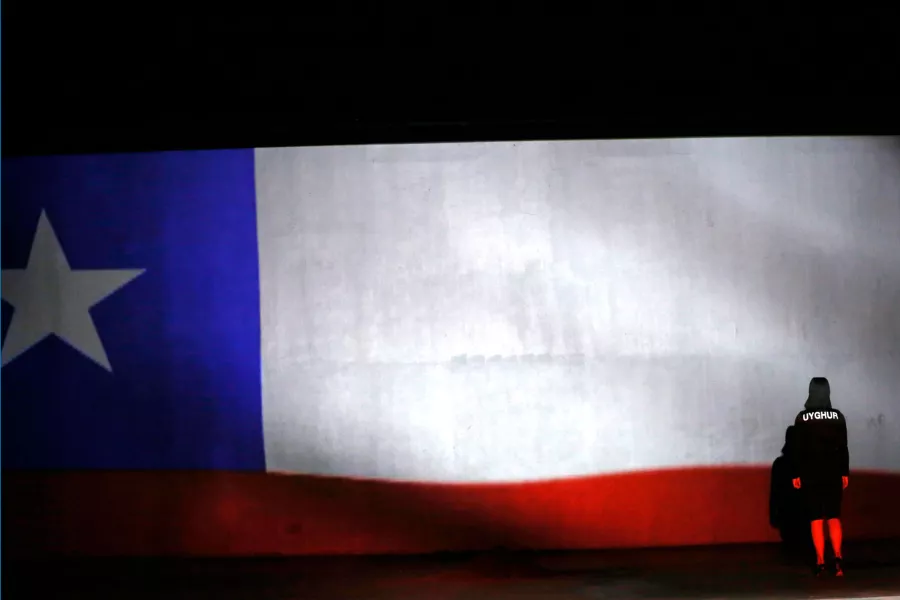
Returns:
(522,311)
(553,345)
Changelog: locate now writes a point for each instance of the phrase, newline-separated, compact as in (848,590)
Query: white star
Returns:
(51,299)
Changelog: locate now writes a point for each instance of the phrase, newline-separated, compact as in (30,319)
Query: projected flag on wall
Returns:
(131,313)
(449,314)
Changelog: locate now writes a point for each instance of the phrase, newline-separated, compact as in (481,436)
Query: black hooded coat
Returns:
(820,430)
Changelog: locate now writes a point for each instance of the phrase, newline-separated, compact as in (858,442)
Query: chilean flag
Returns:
(571,335)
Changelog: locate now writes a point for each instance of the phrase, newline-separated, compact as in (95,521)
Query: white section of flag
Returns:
(519,311)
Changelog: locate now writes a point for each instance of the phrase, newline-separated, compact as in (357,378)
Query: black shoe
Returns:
(819,571)
(838,567)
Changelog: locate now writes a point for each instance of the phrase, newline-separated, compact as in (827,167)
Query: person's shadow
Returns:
(786,506)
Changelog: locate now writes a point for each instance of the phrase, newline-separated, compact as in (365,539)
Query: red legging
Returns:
(818,536)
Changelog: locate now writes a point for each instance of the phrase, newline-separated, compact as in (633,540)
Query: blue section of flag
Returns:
(183,339)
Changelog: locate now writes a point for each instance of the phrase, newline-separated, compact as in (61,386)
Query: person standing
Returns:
(787,511)
(821,469)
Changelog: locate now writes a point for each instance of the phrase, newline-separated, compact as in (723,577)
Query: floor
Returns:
(746,572)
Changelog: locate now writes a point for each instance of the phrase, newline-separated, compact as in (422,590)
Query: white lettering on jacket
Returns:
(820,414)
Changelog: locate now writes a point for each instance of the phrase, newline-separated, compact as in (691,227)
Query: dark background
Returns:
(87,77)
(99,77)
